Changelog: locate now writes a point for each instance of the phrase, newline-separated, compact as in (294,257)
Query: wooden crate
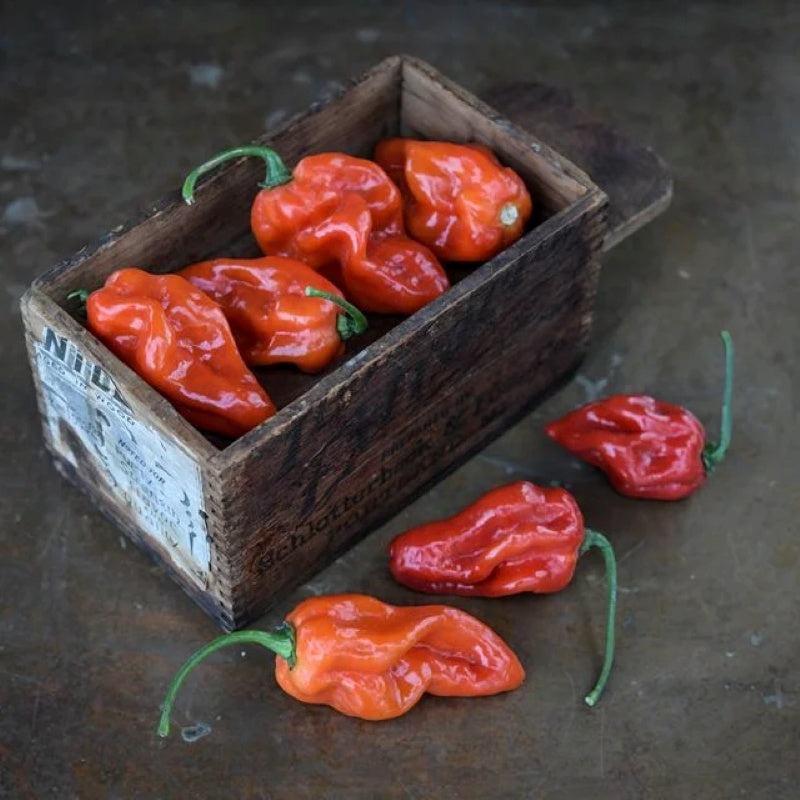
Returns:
(238,524)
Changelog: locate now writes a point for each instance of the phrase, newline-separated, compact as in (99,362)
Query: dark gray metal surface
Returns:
(104,108)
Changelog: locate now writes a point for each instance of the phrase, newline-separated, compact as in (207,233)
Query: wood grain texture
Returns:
(637,181)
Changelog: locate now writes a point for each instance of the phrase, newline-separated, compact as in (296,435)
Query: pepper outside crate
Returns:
(239,524)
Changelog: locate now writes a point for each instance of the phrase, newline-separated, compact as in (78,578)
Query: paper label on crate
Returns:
(95,429)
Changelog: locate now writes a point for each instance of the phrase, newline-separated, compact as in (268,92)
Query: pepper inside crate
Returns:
(285,384)
(344,217)
(336,223)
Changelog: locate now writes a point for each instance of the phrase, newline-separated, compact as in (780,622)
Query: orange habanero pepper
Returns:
(177,339)
(343,216)
(459,199)
(372,660)
(279,309)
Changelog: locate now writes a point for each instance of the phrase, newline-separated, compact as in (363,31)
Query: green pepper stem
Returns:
(277,171)
(596,539)
(352,322)
(281,641)
(713,453)
(81,294)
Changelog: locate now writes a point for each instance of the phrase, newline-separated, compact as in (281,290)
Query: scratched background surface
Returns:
(106,106)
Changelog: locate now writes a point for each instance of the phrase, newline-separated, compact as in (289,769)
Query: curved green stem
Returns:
(595,539)
(352,322)
(281,641)
(277,171)
(714,453)
(81,294)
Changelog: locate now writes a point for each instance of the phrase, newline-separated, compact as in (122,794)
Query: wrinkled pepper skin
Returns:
(343,216)
(647,448)
(178,340)
(371,660)
(272,318)
(459,200)
(516,538)
(374,661)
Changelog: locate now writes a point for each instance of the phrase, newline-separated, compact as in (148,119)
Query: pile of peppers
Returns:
(367,659)
(340,236)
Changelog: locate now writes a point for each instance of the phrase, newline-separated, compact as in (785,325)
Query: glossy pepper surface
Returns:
(516,538)
(343,216)
(178,340)
(459,199)
(646,447)
(279,309)
(372,660)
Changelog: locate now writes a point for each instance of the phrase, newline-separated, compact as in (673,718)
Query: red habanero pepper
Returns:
(279,309)
(646,447)
(459,199)
(343,216)
(516,538)
(177,339)
(371,660)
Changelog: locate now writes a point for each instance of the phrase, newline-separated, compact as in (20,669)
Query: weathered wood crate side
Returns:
(125,446)
(367,440)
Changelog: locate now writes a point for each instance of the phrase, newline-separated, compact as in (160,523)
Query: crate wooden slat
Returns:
(238,524)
